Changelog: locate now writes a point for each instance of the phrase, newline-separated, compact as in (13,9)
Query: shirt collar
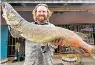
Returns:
(46,23)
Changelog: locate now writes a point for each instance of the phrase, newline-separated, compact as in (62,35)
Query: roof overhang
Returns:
(49,1)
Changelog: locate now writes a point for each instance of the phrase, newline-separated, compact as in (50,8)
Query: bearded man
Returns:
(35,53)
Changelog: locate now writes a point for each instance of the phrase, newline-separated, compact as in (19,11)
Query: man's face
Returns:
(41,13)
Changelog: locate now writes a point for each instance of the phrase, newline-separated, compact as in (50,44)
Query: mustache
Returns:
(42,15)
(45,17)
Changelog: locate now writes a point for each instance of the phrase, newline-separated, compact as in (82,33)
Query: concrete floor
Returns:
(58,61)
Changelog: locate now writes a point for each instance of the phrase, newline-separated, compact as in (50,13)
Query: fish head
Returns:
(6,8)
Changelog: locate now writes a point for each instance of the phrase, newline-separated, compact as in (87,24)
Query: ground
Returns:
(85,61)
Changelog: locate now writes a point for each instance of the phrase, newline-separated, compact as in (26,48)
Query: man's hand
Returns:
(59,42)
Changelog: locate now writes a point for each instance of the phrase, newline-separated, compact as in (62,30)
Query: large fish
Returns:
(42,33)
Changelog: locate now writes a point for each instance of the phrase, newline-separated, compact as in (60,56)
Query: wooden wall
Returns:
(65,18)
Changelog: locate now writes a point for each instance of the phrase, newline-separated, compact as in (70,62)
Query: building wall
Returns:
(4,42)
(72,18)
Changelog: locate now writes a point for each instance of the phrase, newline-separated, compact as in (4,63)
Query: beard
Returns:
(41,18)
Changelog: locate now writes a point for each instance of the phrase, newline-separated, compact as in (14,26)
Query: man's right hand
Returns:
(59,42)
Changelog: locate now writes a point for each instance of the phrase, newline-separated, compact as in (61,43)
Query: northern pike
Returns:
(42,33)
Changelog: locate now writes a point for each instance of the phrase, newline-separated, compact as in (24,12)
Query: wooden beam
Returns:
(59,8)
(69,8)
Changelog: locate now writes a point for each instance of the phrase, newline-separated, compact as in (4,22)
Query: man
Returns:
(35,53)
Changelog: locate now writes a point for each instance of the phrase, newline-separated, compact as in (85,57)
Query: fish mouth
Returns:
(6,7)
(3,5)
